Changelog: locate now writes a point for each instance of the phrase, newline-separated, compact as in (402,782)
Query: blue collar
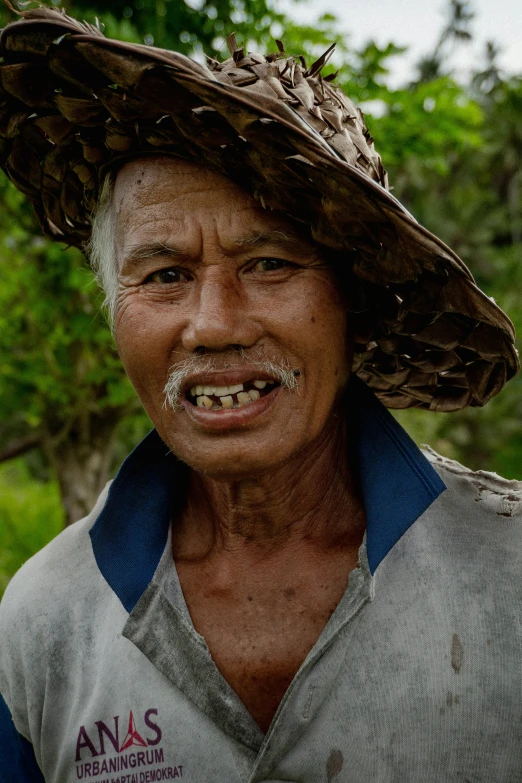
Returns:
(130,534)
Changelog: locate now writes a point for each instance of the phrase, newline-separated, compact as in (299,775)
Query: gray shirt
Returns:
(416,676)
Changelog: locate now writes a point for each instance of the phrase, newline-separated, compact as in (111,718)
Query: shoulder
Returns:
(50,573)
(40,604)
(488,492)
(467,545)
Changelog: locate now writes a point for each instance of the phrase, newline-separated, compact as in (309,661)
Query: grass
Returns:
(30,516)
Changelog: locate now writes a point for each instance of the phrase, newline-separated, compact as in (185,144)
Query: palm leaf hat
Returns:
(75,104)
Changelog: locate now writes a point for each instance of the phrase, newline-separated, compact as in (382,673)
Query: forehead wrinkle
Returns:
(173,190)
(205,224)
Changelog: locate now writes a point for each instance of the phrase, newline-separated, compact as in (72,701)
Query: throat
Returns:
(251,519)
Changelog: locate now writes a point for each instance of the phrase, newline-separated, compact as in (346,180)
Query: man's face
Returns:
(205,272)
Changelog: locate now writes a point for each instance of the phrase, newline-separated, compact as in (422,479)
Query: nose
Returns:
(219,315)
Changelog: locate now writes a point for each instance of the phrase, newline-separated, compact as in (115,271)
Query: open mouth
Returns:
(219,398)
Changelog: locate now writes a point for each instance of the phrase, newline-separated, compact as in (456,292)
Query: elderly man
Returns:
(278,585)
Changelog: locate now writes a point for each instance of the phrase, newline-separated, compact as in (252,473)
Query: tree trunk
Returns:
(82,459)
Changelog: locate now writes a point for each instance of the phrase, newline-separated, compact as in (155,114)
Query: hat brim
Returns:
(76,104)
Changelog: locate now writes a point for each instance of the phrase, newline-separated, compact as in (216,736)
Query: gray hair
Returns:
(101,247)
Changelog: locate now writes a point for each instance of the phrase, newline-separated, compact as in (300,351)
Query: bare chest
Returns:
(260,635)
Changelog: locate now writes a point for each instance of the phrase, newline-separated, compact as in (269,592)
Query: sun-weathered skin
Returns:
(75,104)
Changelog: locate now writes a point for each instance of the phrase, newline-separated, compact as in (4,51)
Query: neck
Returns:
(314,499)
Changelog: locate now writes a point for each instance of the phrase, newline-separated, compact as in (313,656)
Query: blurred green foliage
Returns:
(453,151)
(30,515)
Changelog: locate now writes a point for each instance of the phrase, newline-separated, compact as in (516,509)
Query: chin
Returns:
(230,462)
(233,467)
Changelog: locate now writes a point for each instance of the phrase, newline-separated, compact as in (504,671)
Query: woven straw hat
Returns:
(74,103)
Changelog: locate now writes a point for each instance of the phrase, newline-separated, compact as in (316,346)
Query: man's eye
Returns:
(164,276)
(270,264)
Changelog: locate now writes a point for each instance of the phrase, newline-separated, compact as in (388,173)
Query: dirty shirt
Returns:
(416,676)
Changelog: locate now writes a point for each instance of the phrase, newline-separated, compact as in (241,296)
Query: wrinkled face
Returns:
(225,295)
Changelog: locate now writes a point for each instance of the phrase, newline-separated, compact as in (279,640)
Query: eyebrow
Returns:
(144,250)
(275,237)
(148,249)
(138,252)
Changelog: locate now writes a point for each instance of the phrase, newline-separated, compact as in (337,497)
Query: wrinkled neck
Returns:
(314,498)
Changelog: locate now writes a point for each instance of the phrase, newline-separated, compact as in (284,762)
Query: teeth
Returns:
(203,394)
(228,402)
(216,391)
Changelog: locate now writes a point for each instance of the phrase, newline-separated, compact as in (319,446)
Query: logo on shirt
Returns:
(131,744)
(134,737)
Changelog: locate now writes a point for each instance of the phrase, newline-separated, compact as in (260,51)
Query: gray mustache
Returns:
(280,370)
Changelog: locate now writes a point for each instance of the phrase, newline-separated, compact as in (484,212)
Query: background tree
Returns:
(456,31)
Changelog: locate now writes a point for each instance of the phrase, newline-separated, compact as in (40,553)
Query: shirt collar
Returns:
(130,534)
